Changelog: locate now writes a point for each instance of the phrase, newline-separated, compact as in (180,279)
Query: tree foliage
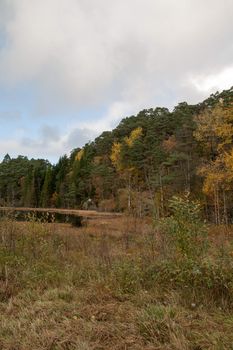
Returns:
(138,166)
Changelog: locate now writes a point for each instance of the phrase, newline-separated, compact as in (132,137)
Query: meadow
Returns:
(115,283)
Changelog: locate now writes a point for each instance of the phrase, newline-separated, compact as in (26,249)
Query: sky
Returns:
(70,69)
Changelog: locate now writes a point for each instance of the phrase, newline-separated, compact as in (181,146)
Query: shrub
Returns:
(186,232)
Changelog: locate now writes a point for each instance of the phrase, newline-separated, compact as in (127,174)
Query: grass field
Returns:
(112,284)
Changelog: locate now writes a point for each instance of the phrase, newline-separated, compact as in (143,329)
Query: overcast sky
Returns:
(70,69)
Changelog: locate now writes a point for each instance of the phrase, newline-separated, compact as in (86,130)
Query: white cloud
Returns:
(120,56)
(220,81)
(87,51)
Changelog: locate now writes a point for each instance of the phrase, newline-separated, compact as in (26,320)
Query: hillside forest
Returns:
(139,166)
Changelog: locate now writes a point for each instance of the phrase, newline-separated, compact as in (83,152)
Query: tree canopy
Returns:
(139,165)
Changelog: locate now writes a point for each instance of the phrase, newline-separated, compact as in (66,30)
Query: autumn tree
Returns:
(215,133)
(124,158)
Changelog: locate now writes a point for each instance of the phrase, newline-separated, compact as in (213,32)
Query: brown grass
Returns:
(84,213)
(94,288)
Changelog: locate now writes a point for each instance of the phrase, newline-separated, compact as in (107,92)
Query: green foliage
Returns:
(155,322)
(157,154)
(185,227)
(127,277)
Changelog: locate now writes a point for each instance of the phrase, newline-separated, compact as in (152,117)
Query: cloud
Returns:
(48,142)
(219,81)
(87,52)
(78,137)
(10,116)
(47,136)
(119,56)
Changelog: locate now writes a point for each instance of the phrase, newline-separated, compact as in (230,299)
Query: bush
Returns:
(186,232)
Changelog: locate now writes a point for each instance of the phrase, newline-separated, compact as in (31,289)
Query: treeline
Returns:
(139,165)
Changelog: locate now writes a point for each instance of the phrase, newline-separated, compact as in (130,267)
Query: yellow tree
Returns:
(215,133)
(134,135)
(122,160)
(79,155)
(116,155)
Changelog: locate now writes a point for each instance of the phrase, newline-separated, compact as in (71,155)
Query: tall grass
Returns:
(103,287)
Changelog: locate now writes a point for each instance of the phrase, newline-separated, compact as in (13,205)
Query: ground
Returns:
(105,286)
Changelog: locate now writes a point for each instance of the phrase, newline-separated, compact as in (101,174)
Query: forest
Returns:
(159,275)
(138,166)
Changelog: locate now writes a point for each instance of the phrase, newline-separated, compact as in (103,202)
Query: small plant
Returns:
(185,228)
(156,323)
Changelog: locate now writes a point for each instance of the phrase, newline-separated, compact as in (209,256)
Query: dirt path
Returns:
(83,213)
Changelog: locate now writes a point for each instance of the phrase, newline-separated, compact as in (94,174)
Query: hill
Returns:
(138,166)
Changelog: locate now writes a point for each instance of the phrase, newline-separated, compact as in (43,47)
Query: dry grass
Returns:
(78,212)
(106,286)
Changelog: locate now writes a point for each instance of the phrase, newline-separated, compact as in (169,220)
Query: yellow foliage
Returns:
(117,150)
(215,127)
(215,132)
(134,135)
(79,155)
(212,182)
(228,159)
(115,155)
(218,174)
